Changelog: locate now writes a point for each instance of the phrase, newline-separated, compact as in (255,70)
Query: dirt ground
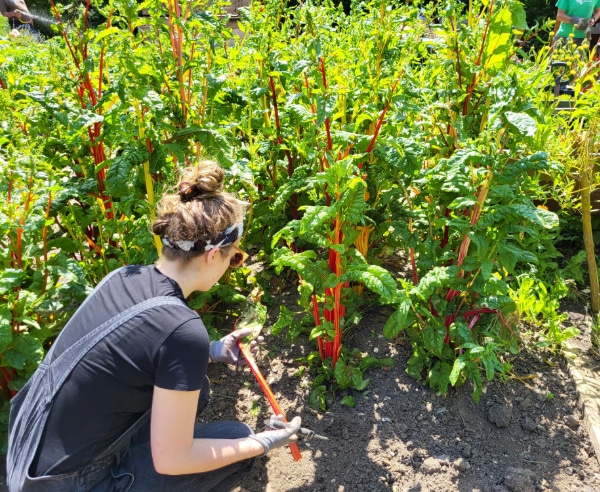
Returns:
(526,434)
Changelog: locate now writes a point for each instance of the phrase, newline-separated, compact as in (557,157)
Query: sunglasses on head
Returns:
(238,258)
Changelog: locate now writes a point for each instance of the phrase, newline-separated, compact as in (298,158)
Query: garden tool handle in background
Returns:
(295,450)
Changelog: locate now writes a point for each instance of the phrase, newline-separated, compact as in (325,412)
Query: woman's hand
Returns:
(272,439)
(227,350)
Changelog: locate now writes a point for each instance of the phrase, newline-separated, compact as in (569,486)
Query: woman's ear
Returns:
(210,255)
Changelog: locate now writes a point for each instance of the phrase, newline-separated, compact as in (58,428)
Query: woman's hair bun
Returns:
(205,179)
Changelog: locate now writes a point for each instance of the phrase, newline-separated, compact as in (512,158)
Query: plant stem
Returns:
(586,175)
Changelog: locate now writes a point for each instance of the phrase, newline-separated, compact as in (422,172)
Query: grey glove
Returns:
(575,20)
(583,24)
(272,439)
(226,350)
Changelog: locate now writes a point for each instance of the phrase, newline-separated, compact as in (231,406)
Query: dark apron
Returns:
(35,399)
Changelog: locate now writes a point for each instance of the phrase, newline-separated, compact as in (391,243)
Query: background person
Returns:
(574,17)
(98,435)
(17,13)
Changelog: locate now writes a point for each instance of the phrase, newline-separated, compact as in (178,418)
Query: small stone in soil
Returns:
(466,451)
(519,480)
(462,464)
(431,465)
(572,422)
(528,424)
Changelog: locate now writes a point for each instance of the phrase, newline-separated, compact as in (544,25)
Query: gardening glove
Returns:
(272,439)
(575,20)
(582,24)
(227,350)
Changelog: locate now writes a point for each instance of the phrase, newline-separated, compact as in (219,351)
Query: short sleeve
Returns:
(562,4)
(182,360)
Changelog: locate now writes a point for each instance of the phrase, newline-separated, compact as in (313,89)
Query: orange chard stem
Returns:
(64,32)
(22,223)
(317,318)
(189,82)
(309,94)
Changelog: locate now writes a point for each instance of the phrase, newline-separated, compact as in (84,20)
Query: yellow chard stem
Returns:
(147,176)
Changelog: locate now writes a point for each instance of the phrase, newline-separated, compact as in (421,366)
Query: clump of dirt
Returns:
(526,434)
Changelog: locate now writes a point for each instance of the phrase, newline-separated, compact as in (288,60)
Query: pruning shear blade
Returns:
(304,432)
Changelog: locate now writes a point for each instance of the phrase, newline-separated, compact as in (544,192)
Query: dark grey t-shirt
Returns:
(112,386)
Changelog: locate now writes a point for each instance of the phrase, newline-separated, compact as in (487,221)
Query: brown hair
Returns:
(199,212)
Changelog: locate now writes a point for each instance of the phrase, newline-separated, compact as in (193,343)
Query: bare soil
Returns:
(526,434)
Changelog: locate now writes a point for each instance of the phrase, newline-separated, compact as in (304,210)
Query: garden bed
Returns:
(526,433)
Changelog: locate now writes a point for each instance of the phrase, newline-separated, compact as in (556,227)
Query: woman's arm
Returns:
(175,451)
(562,16)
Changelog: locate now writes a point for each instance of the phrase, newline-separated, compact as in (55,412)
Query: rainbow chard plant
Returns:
(471,220)
(329,177)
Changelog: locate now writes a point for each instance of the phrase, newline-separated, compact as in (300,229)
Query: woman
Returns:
(126,378)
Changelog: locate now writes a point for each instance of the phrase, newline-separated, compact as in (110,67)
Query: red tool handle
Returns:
(268,393)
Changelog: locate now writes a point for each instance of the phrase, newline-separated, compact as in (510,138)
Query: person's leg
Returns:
(146,479)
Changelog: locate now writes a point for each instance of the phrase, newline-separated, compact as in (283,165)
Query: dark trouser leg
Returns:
(136,471)
(146,479)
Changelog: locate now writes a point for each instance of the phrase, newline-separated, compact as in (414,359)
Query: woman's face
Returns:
(216,262)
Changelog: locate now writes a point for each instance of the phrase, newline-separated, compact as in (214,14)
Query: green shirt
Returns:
(579,8)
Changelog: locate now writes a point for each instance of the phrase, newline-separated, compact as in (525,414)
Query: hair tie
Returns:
(188,191)
(225,238)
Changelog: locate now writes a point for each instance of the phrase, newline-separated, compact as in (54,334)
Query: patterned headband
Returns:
(225,238)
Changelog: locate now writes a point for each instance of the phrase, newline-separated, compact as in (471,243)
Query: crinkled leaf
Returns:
(9,279)
(499,41)
(5,328)
(286,318)
(519,253)
(522,123)
(457,368)
(433,338)
(375,278)
(400,319)
(25,351)
(539,216)
(348,401)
